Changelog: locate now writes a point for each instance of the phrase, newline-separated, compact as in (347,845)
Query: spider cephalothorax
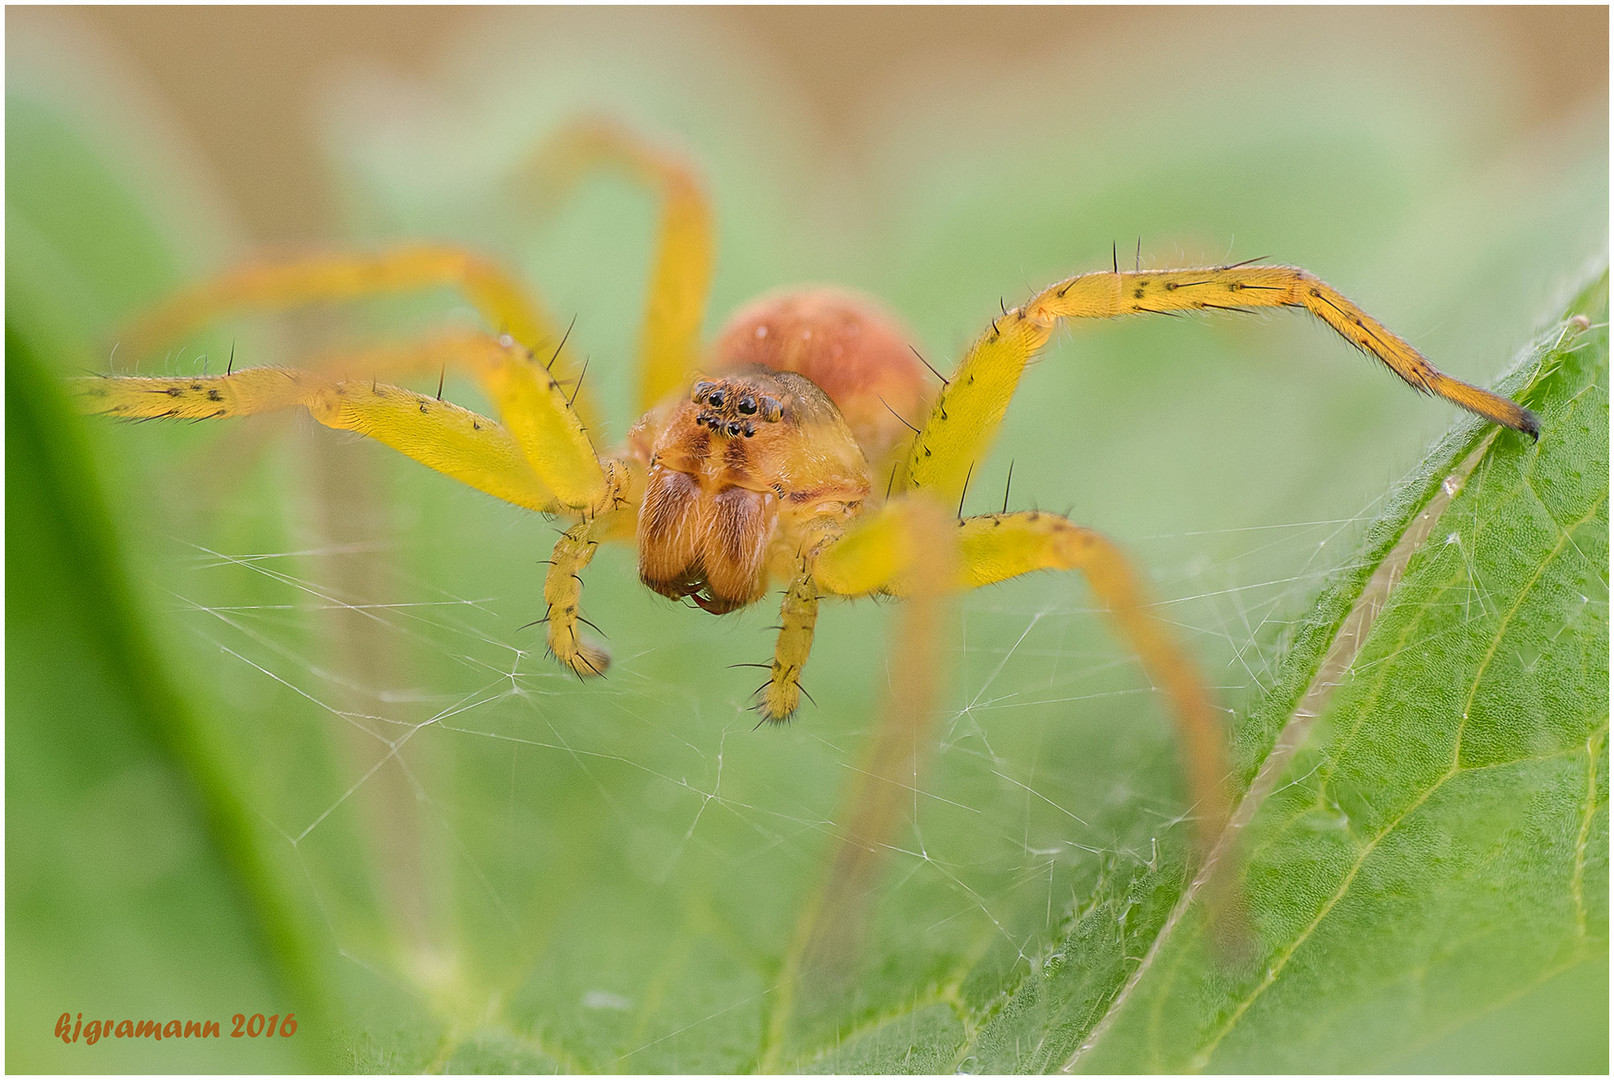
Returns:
(754,459)
(734,475)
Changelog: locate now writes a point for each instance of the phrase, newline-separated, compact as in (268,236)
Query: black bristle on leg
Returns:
(551,365)
(925,362)
(578,389)
(898,415)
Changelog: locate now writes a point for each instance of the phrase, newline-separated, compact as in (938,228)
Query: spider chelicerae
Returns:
(778,453)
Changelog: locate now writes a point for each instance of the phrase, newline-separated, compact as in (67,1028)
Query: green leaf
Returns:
(1425,845)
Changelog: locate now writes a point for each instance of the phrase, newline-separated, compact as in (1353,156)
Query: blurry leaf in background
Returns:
(512,871)
(134,889)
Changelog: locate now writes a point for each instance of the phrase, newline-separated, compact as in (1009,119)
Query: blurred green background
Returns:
(276,741)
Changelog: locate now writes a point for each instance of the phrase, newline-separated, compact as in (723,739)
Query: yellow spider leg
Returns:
(276,286)
(531,403)
(877,552)
(879,555)
(563,593)
(538,421)
(681,276)
(472,449)
(969,410)
(798,614)
(875,555)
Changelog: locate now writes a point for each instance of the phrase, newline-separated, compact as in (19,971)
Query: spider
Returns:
(756,458)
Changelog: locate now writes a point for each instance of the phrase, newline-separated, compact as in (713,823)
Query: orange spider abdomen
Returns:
(852,349)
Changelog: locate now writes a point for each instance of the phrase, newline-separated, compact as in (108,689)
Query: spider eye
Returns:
(702,388)
(716,400)
(748,405)
(749,429)
(734,427)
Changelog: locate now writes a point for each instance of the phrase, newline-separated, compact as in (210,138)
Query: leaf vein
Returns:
(1501,628)
(1328,906)
(1577,879)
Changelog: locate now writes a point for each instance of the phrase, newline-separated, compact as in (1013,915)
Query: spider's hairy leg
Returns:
(798,617)
(681,275)
(539,413)
(563,595)
(473,449)
(798,614)
(967,413)
(538,421)
(286,284)
(879,556)
(244,393)
(532,404)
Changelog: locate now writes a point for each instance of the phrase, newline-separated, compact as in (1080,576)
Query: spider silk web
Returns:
(609,875)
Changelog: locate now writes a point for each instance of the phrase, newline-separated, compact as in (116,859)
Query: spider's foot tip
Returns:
(587,660)
(1530,424)
(775,709)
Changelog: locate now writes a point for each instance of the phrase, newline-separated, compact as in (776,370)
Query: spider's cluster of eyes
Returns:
(745,403)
